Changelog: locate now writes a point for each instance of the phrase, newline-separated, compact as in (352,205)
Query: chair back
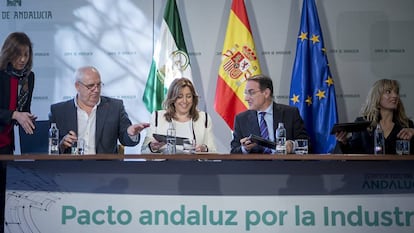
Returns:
(36,143)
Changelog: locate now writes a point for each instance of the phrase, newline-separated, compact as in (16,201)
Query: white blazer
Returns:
(203,134)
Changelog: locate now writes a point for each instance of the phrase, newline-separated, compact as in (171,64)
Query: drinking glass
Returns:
(402,147)
(74,148)
(301,146)
(189,146)
(81,146)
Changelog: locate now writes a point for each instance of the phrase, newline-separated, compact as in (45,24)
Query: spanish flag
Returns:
(239,61)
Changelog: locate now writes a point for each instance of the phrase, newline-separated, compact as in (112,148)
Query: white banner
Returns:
(81,212)
(192,196)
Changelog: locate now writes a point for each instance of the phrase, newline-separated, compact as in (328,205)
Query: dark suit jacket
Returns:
(5,113)
(246,123)
(363,142)
(112,123)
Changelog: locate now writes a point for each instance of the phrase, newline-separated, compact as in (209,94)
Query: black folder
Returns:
(350,127)
(262,142)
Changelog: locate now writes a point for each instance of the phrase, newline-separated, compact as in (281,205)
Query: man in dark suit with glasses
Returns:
(259,96)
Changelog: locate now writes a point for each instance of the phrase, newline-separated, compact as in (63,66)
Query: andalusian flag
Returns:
(238,62)
(170,59)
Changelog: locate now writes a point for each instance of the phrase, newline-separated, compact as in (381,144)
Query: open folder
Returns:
(262,142)
(163,138)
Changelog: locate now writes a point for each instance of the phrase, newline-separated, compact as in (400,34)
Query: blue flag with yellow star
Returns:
(312,88)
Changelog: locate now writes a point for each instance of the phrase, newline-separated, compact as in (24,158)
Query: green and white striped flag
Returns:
(170,59)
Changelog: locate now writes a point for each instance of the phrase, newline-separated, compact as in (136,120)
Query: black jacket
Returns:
(363,142)
(5,113)
(246,123)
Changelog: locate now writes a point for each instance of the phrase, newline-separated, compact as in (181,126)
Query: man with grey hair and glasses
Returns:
(98,121)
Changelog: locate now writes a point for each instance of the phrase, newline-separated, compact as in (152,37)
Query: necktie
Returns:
(264,132)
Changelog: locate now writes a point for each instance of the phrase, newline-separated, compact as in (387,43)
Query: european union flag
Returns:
(312,88)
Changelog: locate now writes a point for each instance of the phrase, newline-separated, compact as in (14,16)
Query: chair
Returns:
(121,149)
(36,143)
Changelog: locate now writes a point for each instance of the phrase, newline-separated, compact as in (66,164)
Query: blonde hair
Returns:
(371,109)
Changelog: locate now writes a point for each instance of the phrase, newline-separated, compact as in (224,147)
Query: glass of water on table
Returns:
(78,147)
(301,146)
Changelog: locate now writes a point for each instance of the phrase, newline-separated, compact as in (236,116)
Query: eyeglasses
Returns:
(251,92)
(92,86)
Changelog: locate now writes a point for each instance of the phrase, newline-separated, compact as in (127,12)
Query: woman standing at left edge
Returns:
(16,89)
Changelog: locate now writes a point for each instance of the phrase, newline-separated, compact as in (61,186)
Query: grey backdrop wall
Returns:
(366,40)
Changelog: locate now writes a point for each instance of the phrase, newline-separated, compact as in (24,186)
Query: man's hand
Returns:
(290,146)
(247,144)
(68,140)
(137,128)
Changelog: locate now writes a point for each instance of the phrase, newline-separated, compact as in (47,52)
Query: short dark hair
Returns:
(264,82)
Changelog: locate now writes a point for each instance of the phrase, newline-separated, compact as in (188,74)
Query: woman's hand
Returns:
(406,133)
(342,137)
(155,145)
(201,148)
(25,120)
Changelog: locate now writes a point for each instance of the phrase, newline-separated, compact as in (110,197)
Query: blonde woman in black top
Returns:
(384,107)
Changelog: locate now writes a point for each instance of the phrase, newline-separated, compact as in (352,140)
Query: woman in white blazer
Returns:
(180,111)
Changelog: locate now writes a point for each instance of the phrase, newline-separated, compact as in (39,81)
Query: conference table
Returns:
(209,193)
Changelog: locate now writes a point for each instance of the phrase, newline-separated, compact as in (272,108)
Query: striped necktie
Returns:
(264,132)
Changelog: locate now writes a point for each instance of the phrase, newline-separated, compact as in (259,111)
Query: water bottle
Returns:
(281,139)
(53,140)
(379,142)
(171,139)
